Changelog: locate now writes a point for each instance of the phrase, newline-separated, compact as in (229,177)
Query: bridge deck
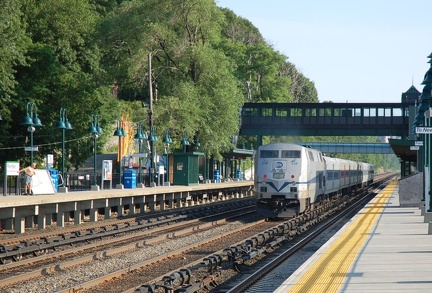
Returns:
(328,119)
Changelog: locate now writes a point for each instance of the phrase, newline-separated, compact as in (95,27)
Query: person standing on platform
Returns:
(28,174)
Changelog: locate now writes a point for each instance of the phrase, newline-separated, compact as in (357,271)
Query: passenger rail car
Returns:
(290,179)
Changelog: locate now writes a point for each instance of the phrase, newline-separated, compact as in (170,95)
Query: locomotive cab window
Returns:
(291,154)
(269,154)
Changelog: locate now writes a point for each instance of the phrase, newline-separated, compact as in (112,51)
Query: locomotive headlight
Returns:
(293,183)
(263,188)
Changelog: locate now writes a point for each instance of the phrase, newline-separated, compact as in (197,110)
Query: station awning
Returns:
(402,149)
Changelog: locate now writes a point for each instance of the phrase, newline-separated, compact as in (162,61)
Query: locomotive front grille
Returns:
(278,196)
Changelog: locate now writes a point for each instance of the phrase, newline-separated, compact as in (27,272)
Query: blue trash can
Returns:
(54,178)
(239,175)
(216,176)
(129,178)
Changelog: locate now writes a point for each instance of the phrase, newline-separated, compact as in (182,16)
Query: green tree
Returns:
(92,58)
(13,46)
(195,87)
(61,71)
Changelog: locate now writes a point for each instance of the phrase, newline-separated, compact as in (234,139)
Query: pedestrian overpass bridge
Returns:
(335,119)
(325,119)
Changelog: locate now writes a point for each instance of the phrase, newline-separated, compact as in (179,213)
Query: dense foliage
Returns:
(99,57)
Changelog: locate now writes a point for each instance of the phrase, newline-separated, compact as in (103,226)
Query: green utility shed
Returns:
(186,168)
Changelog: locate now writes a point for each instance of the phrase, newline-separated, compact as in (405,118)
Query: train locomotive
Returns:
(291,179)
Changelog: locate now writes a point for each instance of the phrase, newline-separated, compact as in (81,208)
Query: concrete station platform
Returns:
(20,212)
(384,248)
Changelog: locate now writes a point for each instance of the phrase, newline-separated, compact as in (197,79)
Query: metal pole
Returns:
(429,208)
(152,154)
(94,159)
(121,164)
(120,161)
(63,152)
(167,163)
(139,161)
(31,144)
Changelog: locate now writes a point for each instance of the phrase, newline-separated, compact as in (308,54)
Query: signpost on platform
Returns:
(11,169)
(423,130)
(426,186)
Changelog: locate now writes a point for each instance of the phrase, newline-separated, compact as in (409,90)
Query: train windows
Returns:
(249,111)
(281,112)
(269,154)
(291,154)
(266,112)
(310,112)
(296,112)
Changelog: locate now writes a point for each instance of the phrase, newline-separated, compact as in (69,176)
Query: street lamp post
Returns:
(95,131)
(31,119)
(167,141)
(184,142)
(196,143)
(152,138)
(140,136)
(120,133)
(63,124)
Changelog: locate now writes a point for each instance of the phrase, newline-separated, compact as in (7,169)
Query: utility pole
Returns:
(150,113)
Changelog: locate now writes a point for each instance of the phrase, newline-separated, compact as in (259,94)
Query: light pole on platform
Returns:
(64,125)
(184,142)
(95,131)
(31,120)
(152,138)
(120,133)
(167,141)
(140,136)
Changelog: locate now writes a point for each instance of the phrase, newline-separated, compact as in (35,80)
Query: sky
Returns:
(355,51)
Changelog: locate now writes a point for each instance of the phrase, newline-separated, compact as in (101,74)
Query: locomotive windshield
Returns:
(291,154)
(268,154)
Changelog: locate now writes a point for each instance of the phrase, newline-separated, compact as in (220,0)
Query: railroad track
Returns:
(190,262)
(23,246)
(202,261)
(71,259)
(229,261)
(254,277)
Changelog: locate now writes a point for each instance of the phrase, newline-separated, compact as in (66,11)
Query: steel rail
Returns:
(271,265)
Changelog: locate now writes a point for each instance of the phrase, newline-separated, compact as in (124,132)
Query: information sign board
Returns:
(423,130)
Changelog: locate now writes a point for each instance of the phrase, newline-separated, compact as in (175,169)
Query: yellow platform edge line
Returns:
(329,271)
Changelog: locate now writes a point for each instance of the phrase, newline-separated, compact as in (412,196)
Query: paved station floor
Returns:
(384,248)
